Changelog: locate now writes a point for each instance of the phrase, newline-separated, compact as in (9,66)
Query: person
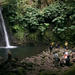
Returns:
(51,47)
(57,46)
(66,55)
(52,43)
(55,55)
(62,62)
(68,60)
(9,55)
(56,59)
(66,45)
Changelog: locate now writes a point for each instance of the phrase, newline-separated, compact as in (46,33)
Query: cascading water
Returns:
(5,33)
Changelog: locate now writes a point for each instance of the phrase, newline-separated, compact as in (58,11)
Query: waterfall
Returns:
(5,33)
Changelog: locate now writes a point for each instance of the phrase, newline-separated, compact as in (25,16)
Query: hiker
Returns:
(52,43)
(66,54)
(62,62)
(56,59)
(66,45)
(57,45)
(68,60)
(9,55)
(51,47)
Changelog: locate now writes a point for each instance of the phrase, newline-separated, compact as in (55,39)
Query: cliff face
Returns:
(2,41)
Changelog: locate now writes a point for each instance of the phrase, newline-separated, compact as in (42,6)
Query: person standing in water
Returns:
(9,55)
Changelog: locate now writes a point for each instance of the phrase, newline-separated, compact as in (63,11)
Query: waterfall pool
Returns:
(24,51)
(20,52)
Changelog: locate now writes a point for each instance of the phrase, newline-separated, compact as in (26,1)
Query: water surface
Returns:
(24,51)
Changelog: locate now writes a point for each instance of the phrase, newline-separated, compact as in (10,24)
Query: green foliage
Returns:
(51,10)
(57,19)
(33,37)
(67,33)
(31,19)
(43,28)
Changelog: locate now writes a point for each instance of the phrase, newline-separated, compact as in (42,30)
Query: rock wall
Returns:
(2,41)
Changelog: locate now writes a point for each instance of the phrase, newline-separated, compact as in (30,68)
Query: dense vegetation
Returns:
(38,21)
(29,20)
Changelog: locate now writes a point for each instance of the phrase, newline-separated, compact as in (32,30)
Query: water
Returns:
(22,52)
(5,33)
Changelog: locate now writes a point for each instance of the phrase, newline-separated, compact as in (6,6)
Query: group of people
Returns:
(61,61)
(64,59)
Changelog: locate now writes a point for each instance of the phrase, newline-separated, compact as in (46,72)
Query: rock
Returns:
(73,59)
